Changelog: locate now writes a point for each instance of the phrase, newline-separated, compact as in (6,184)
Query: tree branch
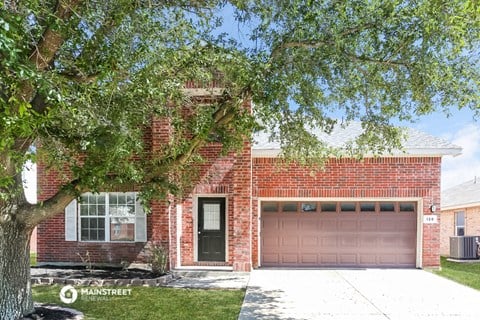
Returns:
(33,214)
(387,62)
(298,44)
(50,42)
(80,77)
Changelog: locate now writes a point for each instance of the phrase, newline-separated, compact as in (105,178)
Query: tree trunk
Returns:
(15,287)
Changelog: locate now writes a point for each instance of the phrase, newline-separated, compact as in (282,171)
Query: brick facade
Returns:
(447,226)
(243,180)
(408,177)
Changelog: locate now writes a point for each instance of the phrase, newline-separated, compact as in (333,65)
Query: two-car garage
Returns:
(338,233)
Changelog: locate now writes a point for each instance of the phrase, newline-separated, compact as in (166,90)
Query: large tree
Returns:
(82,79)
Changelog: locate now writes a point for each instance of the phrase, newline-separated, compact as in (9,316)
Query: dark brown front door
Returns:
(211,229)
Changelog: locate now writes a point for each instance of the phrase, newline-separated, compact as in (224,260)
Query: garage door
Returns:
(357,234)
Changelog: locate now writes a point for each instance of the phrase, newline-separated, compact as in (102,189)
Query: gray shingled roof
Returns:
(462,195)
(417,143)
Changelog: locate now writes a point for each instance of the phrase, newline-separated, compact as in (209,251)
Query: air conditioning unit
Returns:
(465,247)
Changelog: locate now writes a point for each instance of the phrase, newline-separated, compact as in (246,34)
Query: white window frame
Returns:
(107,217)
(457,226)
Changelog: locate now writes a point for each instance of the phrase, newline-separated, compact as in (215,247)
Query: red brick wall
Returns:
(51,244)
(215,176)
(347,178)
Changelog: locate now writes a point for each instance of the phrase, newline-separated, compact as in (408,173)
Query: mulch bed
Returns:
(104,273)
(53,312)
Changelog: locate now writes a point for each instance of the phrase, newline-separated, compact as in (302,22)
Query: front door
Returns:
(211,229)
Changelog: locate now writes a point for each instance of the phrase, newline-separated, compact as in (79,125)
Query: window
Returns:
(460,223)
(309,207)
(108,216)
(289,207)
(347,207)
(387,207)
(269,206)
(407,207)
(367,207)
(328,207)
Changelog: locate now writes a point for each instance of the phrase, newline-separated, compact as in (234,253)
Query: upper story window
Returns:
(460,223)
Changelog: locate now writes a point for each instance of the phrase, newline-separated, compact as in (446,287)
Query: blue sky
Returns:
(460,129)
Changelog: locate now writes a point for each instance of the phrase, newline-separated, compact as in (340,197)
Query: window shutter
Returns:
(71,221)
(140,223)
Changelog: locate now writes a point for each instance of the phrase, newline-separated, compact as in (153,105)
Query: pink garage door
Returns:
(345,234)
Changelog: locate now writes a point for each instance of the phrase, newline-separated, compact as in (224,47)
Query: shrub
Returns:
(158,259)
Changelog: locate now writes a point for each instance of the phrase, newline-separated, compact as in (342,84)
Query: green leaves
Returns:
(306,64)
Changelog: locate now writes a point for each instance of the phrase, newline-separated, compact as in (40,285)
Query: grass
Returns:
(33,259)
(464,273)
(151,303)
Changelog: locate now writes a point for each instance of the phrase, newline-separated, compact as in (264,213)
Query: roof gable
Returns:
(417,143)
(463,195)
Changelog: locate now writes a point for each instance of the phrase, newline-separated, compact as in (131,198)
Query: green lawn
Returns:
(151,303)
(465,273)
(33,259)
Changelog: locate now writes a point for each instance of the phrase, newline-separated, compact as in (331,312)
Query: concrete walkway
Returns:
(209,280)
(372,294)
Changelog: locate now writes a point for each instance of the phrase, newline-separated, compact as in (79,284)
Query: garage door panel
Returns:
(270,223)
(309,241)
(309,259)
(327,224)
(289,242)
(367,259)
(348,224)
(308,225)
(289,225)
(328,259)
(347,259)
(271,258)
(271,241)
(387,259)
(328,242)
(347,241)
(387,224)
(367,225)
(338,239)
(289,259)
(367,241)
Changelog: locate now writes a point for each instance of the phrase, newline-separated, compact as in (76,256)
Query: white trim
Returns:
(418,200)
(71,224)
(259,232)
(412,152)
(420,214)
(195,222)
(203,268)
(179,212)
(460,206)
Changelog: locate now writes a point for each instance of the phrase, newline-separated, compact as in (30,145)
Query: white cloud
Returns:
(456,170)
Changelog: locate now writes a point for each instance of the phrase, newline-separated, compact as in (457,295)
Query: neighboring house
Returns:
(247,211)
(460,215)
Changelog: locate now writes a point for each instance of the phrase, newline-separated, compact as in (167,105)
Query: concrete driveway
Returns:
(357,295)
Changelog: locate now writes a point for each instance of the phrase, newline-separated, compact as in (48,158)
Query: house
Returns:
(460,214)
(247,211)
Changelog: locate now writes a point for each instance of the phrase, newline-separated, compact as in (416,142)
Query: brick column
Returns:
(242,195)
